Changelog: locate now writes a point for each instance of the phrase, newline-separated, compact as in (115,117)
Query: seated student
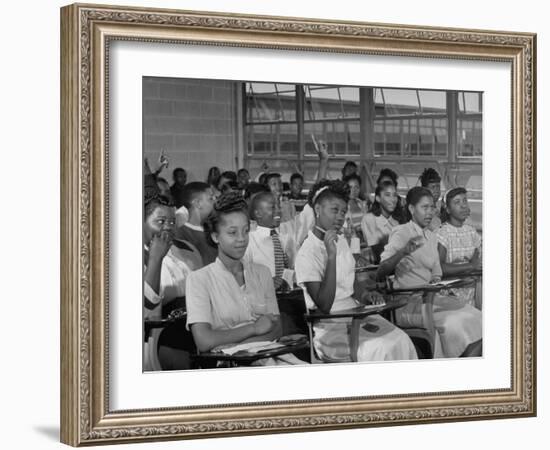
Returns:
(198,198)
(275,185)
(296,197)
(357,208)
(387,174)
(166,270)
(179,176)
(459,244)
(431,180)
(411,254)
(232,300)
(243,178)
(306,219)
(325,271)
(383,216)
(272,242)
(213,176)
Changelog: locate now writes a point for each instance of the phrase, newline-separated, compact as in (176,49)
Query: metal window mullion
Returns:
(300,128)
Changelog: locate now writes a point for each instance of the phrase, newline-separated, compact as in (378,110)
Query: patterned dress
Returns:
(461,243)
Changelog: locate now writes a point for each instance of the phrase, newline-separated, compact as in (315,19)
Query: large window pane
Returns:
(469,137)
(269,102)
(329,102)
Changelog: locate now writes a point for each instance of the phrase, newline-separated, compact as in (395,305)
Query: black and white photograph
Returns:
(296,224)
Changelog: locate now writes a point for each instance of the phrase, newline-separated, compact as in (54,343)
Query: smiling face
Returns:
(458,208)
(231,235)
(163,218)
(331,213)
(267,212)
(387,199)
(354,188)
(422,213)
(275,185)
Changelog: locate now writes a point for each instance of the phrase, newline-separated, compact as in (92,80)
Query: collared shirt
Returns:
(213,296)
(419,267)
(376,229)
(311,262)
(260,246)
(173,274)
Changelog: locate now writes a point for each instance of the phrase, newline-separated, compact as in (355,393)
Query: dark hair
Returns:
(189,193)
(270,176)
(414,195)
(153,203)
(428,176)
(330,189)
(229,174)
(387,172)
(230,186)
(376,208)
(213,176)
(253,188)
(348,164)
(256,199)
(243,170)
(178,170)
(295,176)
(313,190)
(227,203)
(353,176)
(444,215)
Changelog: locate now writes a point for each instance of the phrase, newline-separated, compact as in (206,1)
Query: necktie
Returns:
(280,257)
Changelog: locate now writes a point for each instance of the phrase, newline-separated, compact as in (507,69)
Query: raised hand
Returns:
(162,161)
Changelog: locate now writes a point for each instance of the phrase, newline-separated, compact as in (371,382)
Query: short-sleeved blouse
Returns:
(376,229)
(460,242)
(213,296)
(311,262)
(419,267)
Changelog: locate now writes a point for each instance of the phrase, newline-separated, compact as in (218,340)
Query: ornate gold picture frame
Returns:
(87,32)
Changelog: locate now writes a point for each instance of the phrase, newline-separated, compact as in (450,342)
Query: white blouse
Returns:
(311,263)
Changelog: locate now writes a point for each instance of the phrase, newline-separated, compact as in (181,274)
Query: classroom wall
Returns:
(193,121)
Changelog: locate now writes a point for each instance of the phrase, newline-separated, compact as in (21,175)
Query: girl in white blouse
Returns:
(325,271)
(383,216)
(231,300)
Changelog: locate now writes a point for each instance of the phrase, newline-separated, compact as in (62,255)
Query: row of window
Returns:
(407,122)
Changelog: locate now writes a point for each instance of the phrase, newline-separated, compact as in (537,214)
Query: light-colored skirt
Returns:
(458,325)
(389,343)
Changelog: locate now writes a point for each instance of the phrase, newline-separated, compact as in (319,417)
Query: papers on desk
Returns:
(445,282)
(251,347)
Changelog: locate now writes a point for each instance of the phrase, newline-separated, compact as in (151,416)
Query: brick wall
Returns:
(193,121)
